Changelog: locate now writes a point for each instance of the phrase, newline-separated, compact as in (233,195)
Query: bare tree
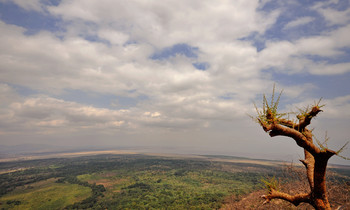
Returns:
(316,157)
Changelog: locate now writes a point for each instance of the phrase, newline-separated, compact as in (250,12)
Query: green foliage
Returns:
(269,110)
(134,181)
(271,183)
(45,195)
(304,112)
(201,189)
(97,191)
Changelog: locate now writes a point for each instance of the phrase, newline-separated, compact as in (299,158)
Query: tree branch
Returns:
(305,120)
(300,139)
(294,199)
(315,160)
(309,166)
(287,123)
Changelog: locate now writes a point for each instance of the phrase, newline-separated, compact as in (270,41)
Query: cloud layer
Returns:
(157,69)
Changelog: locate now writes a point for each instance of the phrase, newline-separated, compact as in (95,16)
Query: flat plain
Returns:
(130,180)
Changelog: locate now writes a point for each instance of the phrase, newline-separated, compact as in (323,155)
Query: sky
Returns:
(171,76)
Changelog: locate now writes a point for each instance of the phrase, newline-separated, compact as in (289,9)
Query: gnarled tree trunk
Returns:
(316,158)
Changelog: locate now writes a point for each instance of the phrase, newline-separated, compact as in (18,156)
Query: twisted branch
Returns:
(294,199)
(315,161)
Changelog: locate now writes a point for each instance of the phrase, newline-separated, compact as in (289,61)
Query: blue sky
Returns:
(170,74)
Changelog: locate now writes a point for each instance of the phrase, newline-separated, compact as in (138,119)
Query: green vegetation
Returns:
(45,195)
(127,182)
(177,189)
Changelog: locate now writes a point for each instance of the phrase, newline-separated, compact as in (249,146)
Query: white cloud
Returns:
(330,44)
(291,56)
(114,37)
(277,54)
(105,49)
(329,69)
(298,22)
(235,66)
(319,45)
(75,63)
(43,114)
(337,108)
(341,36)
(333,16)
(166,23)
(154,114)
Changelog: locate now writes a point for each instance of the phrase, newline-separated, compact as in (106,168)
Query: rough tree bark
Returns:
(315,162)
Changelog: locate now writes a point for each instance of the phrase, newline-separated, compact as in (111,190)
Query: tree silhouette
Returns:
(316,157)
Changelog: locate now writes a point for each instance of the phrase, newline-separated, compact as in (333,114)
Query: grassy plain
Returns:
(44,195)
